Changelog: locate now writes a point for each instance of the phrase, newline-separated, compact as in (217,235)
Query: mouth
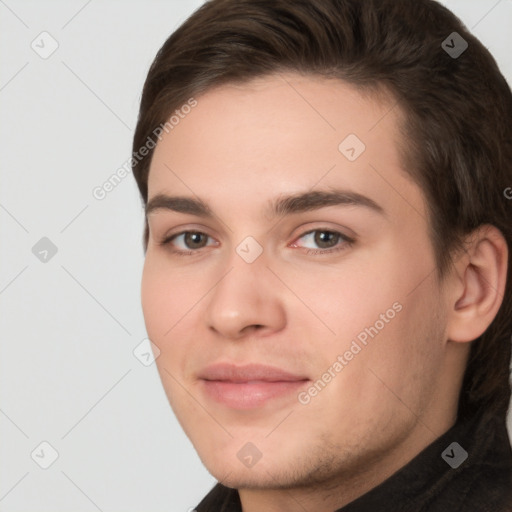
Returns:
(249,386)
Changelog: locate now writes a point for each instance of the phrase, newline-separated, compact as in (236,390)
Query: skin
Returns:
(238,148)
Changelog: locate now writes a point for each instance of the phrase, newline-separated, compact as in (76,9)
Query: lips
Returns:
(247,373)
(248,386)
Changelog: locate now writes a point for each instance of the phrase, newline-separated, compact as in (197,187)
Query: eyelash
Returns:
(348,242)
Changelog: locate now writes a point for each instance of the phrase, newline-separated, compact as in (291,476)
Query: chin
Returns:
(247,478)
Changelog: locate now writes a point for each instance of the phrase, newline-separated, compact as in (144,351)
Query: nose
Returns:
(247,299)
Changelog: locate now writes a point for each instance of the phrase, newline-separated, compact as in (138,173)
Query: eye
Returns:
(327,240)
(190,242)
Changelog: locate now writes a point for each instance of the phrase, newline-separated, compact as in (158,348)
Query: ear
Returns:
(477,285)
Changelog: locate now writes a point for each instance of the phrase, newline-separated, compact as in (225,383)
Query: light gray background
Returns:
(70,325)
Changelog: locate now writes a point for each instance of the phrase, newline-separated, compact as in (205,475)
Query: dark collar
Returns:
(436,480)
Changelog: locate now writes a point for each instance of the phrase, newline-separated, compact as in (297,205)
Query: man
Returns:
(327,247)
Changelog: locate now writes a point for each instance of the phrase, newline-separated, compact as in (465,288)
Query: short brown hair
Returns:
(458,111)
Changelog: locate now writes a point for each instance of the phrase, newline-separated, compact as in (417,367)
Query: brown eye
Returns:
(195,240)
(325,241)
(187,242)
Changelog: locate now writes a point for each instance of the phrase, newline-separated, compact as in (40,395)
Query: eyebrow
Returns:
(292,204)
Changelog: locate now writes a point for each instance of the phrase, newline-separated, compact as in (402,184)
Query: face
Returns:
(300,333)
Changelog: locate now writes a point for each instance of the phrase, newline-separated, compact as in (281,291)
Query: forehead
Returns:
(283,133)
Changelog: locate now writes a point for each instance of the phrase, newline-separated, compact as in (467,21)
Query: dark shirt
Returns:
(480,483)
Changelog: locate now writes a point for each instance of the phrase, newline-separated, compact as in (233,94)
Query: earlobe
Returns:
(482,272)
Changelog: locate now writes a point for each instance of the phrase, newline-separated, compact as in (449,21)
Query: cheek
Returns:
(168,296)
(347,300)
(152,300)
(338,293)
(162,305)
(159,299)
(402,361)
